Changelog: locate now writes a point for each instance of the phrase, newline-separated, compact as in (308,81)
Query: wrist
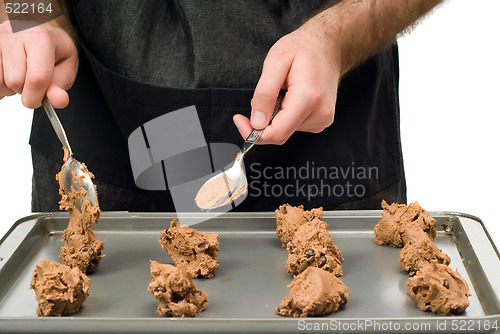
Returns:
(63,23)
(324,37)
(3,13)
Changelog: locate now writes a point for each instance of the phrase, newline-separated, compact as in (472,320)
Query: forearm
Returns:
(3,14)
(359,28)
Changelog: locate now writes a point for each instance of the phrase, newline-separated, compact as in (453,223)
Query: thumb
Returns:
(272,79)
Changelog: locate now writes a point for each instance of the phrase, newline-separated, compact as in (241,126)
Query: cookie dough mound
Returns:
(59,289)
(439,289)
(419,251)
(315,292)
(420,217)
(198,251)
(290,218)
(312,246)
(82,249)
(398,218)
(175,291)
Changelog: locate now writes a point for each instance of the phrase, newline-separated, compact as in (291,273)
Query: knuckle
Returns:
(326,115)
(14,83)
(264,90)
(316,130)
(38,79)
(279,139)
(261,98)
(276,50)
(329,117)
(314,96)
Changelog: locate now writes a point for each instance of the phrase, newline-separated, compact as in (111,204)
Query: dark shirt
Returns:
(140,60)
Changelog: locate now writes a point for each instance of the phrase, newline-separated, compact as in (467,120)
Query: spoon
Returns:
(73,171)
(228,185)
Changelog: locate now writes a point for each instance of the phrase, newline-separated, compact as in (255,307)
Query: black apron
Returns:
(356,158)
(353,164)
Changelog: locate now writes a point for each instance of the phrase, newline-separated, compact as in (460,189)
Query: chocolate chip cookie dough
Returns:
(412,228)
(312,246)
(314,292)
(307,240)
(186,246)
(175,291)
(398,218)
(314,260)
(82,248)
(439,289)
(290,218)
(59,289)
(435,287)
(420,250)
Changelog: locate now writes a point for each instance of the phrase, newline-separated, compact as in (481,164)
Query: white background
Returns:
(450,83)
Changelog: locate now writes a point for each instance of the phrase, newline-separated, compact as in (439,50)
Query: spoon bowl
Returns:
(230,184)
(75,174)
(223,188)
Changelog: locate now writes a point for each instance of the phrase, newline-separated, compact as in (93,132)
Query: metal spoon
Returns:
(228,185)
(71,165)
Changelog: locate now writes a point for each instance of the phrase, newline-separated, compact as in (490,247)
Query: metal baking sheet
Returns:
(251,280)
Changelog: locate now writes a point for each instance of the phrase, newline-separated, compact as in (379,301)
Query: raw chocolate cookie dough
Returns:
(420,250)
(290,218)
(175,290)
(312,246)
(82,248)
(198,251)
(315,261)
(398,218)
(314,292)
(435,286)
(439,289)
(59,289)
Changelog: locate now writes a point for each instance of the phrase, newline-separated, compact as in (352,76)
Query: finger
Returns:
(243,125)
(63,79)
(322,116)
(65,72)
(57,96)
(320,119)
(296,108)
(65,46)
(40,69)
(317,121)
(14,66)
(4,91)
(272,79)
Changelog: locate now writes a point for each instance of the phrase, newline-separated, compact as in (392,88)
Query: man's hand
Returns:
(310,61)
(37,61)
(307,66)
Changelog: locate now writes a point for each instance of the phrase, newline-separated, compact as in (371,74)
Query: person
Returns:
(335,143)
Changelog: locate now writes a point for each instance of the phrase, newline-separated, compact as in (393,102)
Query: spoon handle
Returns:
(56,124)
(255,134)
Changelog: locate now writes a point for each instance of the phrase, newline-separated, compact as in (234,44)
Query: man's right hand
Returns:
(37,61)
